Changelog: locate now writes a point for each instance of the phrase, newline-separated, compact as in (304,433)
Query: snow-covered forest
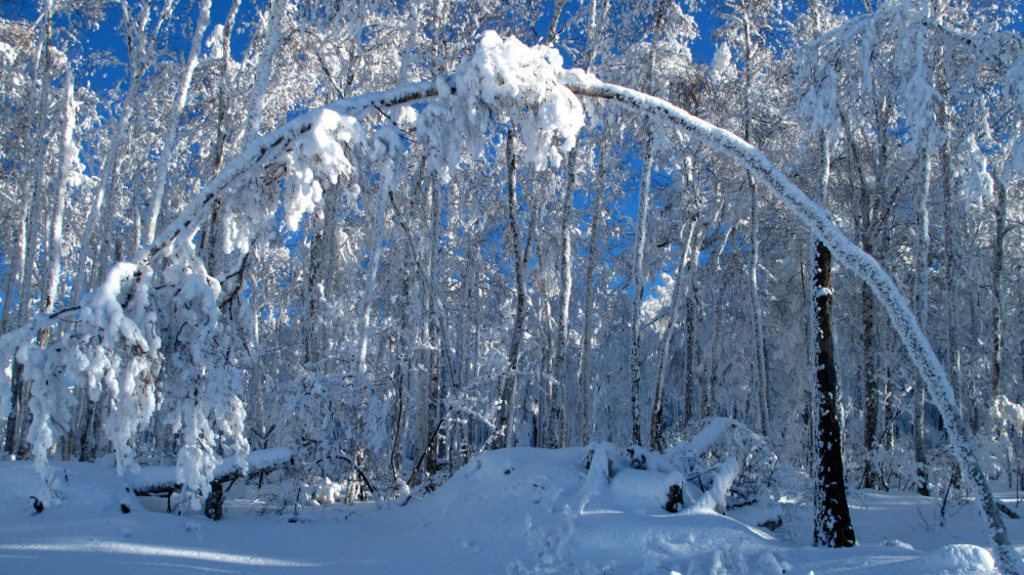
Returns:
(390,235)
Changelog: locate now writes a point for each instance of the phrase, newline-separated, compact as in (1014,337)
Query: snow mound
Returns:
(69,487)
(959,559)
(595,510)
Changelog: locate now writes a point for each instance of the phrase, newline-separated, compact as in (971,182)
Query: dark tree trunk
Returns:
(872,394)
(832,527)
(20,416)
(689,410)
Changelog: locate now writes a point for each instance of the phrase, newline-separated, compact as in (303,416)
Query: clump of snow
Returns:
(972,172)
(503,82)
(816,102)
(520,83)
(958,559)
(8,55)
(318,155)
(323,491)
(314,150)
(723,69)
(1009,412)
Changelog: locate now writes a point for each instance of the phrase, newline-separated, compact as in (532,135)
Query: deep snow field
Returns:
(509,511)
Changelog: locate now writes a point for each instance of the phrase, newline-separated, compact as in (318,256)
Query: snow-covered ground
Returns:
(508,511)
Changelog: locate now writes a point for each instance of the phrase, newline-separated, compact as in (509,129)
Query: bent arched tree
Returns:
(503,83)
(856,260)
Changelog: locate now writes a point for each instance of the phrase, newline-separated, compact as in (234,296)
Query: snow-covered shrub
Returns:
(202,379)
(723,451)
(1008,414)
(322,490)
(113,353)
(1001,454)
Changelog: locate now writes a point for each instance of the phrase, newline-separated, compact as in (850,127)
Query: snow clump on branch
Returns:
(313,151)
(504,81)
(318,155)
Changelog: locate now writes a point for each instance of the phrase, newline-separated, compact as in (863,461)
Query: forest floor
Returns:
(509,511)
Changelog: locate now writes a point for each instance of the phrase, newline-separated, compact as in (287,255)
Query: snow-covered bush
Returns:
(113,353)
(726,448)
(725,466)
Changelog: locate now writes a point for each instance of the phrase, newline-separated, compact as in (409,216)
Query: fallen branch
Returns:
(163,480)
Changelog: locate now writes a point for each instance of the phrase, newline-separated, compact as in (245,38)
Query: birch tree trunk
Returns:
(638,280)
(557,424)
(209,244)
(760,363)
(921,301)
(998,257)
(832,527)
(950,238)
(690,393)
(874,396)
(664,356)
(19,275)
(596,238)
(505,429)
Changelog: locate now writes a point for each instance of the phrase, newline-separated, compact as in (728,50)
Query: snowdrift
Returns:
(508,511)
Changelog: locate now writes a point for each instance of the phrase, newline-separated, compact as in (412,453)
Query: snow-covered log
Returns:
(714,498)
(162,480)
(710,435)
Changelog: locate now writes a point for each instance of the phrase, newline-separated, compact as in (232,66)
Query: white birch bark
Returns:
(263,69)
(921,308)
(664,354)
(596,238)
(760,363)
(171,136)
(998,257)
(55,251)
(506,419)
(639,278)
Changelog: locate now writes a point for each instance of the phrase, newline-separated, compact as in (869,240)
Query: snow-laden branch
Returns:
(856,260)
(269,149)
(266,150)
